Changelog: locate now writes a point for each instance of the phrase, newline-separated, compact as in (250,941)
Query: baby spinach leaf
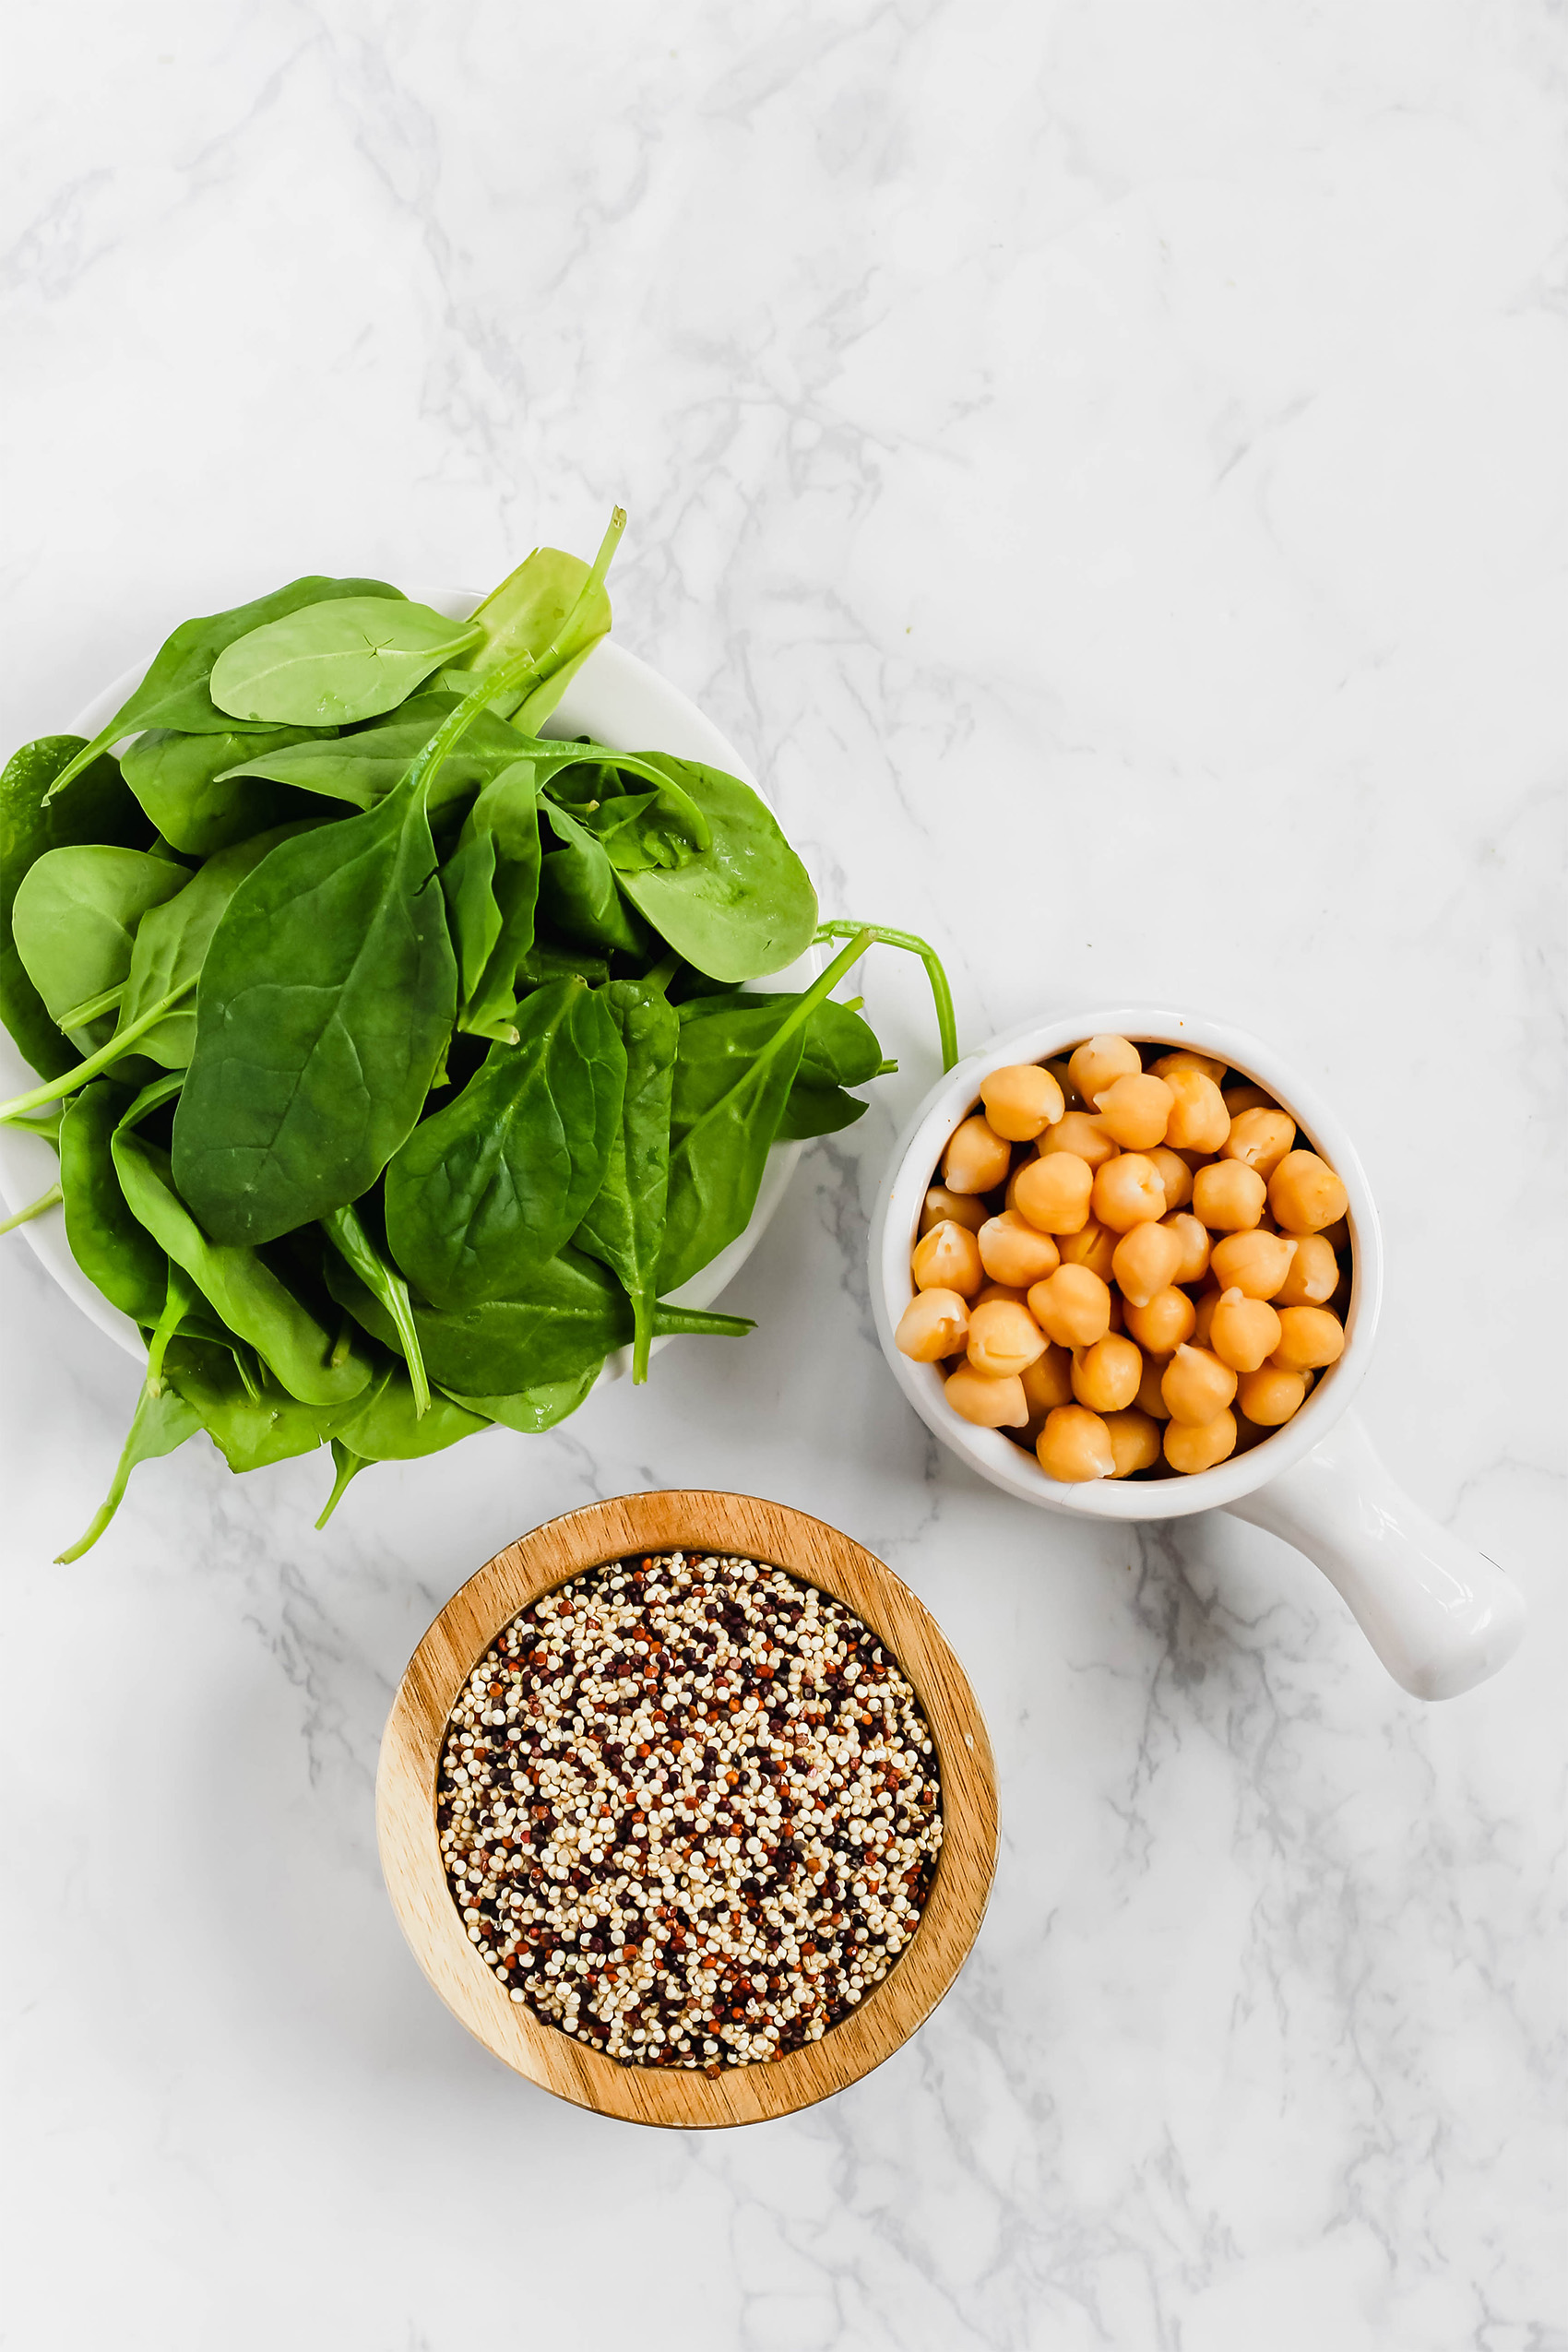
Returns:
(188,788)
(326,1001)
(97,808)
(251,1299)
(484,1193)
(578,890)
(175,691)
(390,1426)
(734,1073)
(74,919)
(624,1226)
(572,1313)
(553,608)
(335,663)
(364,766)
(840,1051)
(162,1421)
(533,1411)
(172,938)
(251,1425)
(490,883)
(742,907)
(112,1249)
(345,1230)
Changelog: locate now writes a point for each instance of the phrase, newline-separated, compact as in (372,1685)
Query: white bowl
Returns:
(1440,1616)
(615,698)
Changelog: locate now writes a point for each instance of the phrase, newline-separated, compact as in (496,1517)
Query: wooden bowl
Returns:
(738,1527)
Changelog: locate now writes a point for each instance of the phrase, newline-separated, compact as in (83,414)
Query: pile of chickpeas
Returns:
(1128,1265)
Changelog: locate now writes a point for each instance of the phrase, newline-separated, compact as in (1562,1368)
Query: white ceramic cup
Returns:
(1440,1616)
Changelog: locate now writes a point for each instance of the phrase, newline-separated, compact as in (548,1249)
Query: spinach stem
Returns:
(33,1208)
(942,996)
(91,1007)
(20,1104)
(347,1234)
(659,975)
(348,1466)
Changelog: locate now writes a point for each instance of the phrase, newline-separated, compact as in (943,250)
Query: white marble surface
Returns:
(1102,464)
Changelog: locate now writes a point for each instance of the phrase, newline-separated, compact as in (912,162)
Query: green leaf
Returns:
(172,940)
(578,891)
(363,767)
(840,1051)
(745,906)
(533,1411)
(389,1427)
(325,1004)
(174,691)
(335,663)
(114,1249)
(74,919)
(624,1226)
(571,1314)
(490,883)
(249,1427)
(733,1073)
(190,789)
(344,1229)
(162,1421)
(486,1191)
(553,607)
(238,1282)
(97,808)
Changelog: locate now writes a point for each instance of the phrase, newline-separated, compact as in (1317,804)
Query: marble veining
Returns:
(1102,465)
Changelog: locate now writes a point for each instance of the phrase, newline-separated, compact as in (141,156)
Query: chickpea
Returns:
(1063,1078)
(1174,1174)
(1127,1192)
(1136,1111)
(976,1158)
(1100,1061)
(1082,1132)
(1270,1396)
(1185,1059)
(1261,1138)
(1246,1097)
(1198,1445)
(1014,1292)
(988,1403)
(1199,1121)
(1305,1195)
(1075,1445)
(1192,1234)
(1254,1262)
(1004,1337)
(1106,1376)
(1309,1338)
(1072,1306)
(1092,1245)
(1203,1315)
(1314,1275)
(1145,1260)
(1013,1250)
(1149,1399)
(948,1258)
(1135,1441)
(1053,1193)
(1021,1101)
(1167,1319)
(1197,1385)
(964,1208)
(1228,1196)
(935,1323)
(1047,1382)
(1242,1332)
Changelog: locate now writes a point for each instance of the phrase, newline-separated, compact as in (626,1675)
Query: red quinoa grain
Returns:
(689,1811)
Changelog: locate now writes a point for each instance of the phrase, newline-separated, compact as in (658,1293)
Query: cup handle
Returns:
(1440,1616)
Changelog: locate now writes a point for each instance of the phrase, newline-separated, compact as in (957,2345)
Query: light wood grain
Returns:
(741,1527)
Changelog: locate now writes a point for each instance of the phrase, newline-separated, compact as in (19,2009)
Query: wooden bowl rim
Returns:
(729,1525)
